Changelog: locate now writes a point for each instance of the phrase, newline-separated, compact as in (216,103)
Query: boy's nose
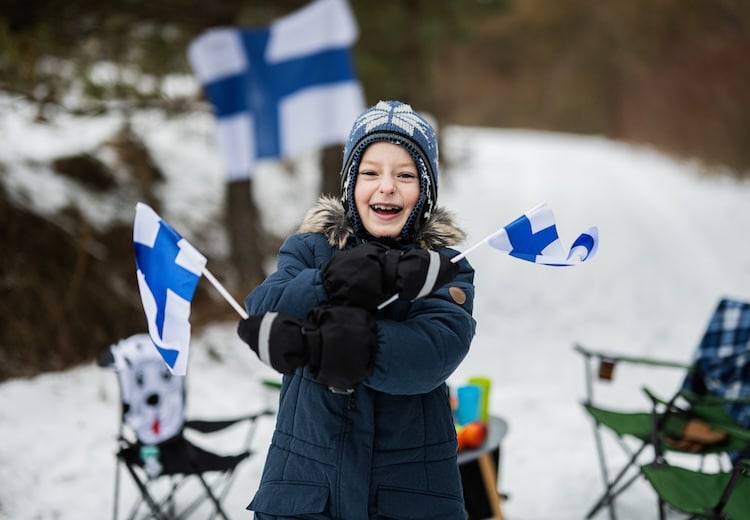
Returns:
(386,184)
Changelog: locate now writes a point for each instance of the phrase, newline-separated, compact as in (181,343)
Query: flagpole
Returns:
(453,260)
(486,239)
(472,248)
(228,297)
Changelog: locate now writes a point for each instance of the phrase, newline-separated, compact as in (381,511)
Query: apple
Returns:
(473,434)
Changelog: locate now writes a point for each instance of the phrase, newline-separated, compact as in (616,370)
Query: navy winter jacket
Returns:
(387,449)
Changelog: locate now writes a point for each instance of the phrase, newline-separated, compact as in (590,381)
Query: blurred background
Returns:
(673,74)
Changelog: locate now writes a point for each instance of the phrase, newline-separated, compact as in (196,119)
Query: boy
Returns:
(367,317)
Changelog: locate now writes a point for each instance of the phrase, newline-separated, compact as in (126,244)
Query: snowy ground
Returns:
(671,245)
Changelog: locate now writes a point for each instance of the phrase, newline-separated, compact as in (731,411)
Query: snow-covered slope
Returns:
(673,241)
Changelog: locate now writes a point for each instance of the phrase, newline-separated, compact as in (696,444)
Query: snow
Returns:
(673,242)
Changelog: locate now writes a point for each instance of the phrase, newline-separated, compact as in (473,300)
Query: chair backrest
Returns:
(722,359)
(153,399)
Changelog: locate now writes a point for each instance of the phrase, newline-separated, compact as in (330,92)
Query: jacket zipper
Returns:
(349,393)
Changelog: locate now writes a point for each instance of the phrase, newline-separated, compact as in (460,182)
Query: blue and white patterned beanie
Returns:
(398,123)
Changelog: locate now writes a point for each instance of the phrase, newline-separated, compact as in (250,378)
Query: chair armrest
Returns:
(215,425)
(663,363)
(708,409)
(656,400)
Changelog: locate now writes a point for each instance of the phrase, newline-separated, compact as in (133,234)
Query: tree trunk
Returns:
(244,231)
(331,164)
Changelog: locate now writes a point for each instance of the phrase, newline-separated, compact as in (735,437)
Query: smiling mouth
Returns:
(385,210)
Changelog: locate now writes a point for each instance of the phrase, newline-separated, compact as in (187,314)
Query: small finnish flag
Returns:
(168,269)
(533,237)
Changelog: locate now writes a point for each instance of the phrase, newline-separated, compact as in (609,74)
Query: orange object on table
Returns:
(471,435)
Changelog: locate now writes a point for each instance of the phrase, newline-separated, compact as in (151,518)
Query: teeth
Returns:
(385,208)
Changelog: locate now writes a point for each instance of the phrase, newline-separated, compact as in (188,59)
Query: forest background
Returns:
(671,73)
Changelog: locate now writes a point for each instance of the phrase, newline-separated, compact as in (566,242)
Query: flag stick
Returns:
(453,260)
(388,301)
(486,239)
(472,248)
(228,297)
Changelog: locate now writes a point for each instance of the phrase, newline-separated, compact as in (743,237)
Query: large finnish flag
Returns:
(533,237)
(282,89)
(168,269)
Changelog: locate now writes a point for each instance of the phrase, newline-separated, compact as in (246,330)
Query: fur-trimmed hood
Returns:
(328,217)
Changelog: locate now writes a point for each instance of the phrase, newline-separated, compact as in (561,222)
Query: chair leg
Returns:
(612,490)
(219,509)
(718,509)
(116,505)
(605,475)
(662,511)
(155,509)
(587,360)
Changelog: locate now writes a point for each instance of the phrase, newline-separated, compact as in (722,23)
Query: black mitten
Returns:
(338,343)
(345,354)
(421,271)
(355,276)
(277,339)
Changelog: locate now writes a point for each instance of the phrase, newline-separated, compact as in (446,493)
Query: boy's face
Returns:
(386,190)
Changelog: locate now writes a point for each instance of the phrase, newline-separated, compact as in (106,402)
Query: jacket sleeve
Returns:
(419,353)
(296,286)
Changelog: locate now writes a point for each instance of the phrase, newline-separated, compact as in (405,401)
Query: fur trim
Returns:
(328,217)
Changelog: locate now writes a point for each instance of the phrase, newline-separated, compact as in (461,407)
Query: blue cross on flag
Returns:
(168,269)
(533,237)
(282,89)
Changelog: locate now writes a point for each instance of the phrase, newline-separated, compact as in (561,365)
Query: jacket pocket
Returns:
(300,499)
(403,504)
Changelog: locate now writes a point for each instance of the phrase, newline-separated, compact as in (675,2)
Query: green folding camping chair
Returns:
(721,495)
(699,418)
(717,496)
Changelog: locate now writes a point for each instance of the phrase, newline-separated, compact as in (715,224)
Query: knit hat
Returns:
(397,123)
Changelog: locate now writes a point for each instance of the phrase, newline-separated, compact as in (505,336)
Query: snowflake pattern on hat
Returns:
(401,116)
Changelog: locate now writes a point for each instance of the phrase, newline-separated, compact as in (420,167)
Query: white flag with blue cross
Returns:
(533,237)
(168,269)
(282,89)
